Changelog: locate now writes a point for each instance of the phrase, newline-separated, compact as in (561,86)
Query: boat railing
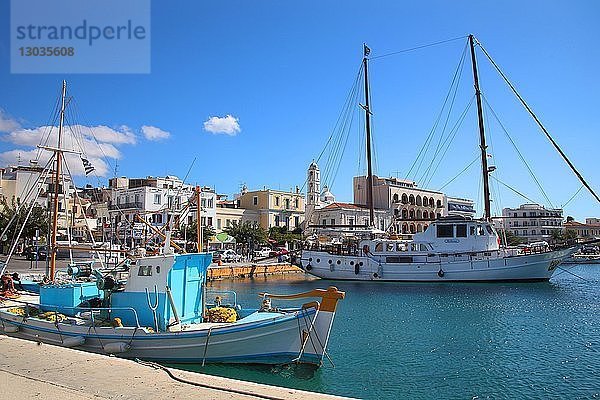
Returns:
(56,309)
(335,249)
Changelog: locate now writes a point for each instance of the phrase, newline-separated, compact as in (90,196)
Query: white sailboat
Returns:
(162,311)
(450,249)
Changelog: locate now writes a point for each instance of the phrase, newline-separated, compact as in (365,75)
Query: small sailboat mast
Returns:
(199,243)
(367,109)
(58,157)
(484,165)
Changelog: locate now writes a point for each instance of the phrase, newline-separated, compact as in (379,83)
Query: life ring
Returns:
(366,249)
(308,267)
(441,273)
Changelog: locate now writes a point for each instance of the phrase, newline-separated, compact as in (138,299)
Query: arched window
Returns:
(412,228)
(411,199)
(439,204)
(419,203)
(405,228)
(395,199)
(411,214)
(404,198)
(419,215)
(431,202)
(419,228)
(425,215)
(425,201)
(404,214)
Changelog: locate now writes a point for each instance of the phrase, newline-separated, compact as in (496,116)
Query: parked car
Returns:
(31,254)
(278,252)
(262,253)
(228,255)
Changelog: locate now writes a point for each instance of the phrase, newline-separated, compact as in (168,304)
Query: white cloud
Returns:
(73,161)
(7,123)
(227,125)
(96,143)
(155,134)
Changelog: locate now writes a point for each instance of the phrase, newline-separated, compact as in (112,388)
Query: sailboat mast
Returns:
(484,165)
(58,157)
(368,138)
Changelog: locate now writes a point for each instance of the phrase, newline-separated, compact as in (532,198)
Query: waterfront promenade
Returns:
(29,370)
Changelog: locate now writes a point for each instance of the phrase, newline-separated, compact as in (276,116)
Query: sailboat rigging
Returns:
(450,248)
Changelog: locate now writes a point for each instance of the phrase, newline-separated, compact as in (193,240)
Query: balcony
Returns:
(126,206)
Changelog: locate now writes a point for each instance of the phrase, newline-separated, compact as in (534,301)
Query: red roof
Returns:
(575,224)
(344,205)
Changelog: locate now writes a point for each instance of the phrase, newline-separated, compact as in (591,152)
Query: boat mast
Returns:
(58,156)
(484,165)
(367,109)
(198,219)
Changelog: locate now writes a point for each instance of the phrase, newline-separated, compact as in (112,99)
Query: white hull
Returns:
(276,340)
(496,267)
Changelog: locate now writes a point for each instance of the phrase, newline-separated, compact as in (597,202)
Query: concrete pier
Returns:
(32,371)
(239,270)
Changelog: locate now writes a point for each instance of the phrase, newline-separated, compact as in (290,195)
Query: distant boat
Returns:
(451,249)
(161,312)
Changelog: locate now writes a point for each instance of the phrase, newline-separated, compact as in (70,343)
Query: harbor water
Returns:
(431,341)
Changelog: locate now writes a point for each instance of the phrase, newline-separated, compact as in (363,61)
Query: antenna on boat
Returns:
(484,165)
(58,154)
(366,107)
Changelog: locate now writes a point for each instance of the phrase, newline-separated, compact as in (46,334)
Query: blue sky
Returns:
(283,70)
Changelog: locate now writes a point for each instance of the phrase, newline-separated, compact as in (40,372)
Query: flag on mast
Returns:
(87,166)
(367,50)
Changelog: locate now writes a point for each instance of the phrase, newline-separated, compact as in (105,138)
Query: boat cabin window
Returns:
(400,247)
(145,270)
(414,247)
(489,229)
(472,230)
(390,247)
(379,247)
(445,231)
(423,247)
(480,231)
(461,230)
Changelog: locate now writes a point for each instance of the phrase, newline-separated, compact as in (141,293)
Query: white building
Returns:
(533,222)
(154,198)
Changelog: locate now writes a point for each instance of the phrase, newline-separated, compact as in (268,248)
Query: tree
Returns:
(249,233)
(281,234)
(510,239)
(570,219)
(37,221)
(568,235)
(208,232)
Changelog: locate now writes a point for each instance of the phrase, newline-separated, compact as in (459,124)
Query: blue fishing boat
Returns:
(161,311)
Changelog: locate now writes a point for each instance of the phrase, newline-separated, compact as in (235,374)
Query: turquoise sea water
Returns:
(432,341)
